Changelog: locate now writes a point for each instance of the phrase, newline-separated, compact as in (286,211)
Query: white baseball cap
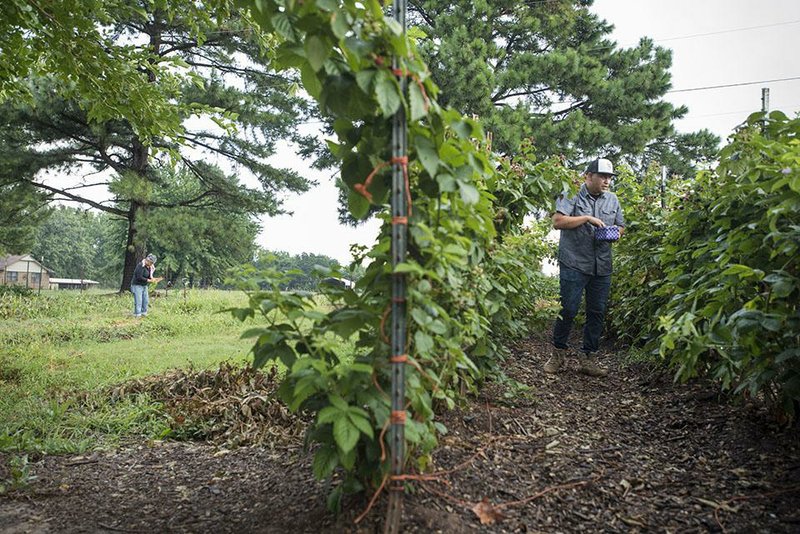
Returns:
(601,166)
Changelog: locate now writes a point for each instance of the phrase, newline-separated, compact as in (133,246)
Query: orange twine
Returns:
(363,189)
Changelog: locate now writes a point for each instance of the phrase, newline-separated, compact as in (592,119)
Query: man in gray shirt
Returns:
(585,263)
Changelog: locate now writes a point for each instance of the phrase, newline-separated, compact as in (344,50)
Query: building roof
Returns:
(8,260)
(12,259)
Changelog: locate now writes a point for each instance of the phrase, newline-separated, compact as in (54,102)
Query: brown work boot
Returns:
(555,362)
(588,365)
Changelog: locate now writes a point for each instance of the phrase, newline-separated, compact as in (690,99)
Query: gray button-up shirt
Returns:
(577,247)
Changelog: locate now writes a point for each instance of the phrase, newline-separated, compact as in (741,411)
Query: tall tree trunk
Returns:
(136,244)
(135,249)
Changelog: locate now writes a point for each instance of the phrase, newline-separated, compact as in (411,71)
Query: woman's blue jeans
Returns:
(573,285)
(140,300)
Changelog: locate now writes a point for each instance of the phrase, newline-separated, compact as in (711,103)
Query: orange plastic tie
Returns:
(400,220)
(400,358)
(403,162)
(398,417)
(398,300)
(362,189)
(380,439)
(385,316)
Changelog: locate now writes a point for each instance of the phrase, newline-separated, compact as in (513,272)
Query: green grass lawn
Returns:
(62,351)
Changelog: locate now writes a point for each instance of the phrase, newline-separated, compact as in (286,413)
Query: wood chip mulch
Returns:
(632,452)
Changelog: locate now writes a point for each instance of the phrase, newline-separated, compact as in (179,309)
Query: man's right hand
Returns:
(594,221)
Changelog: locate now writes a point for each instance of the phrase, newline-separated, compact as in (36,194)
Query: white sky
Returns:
(736,56)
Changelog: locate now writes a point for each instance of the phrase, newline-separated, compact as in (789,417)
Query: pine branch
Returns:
(77,198)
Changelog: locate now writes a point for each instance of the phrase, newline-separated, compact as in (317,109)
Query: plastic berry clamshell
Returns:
(607,233)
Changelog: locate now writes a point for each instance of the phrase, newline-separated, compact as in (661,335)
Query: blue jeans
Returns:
(573,284)
(140,300)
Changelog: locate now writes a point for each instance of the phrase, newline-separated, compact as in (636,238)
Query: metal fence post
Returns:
(400,211)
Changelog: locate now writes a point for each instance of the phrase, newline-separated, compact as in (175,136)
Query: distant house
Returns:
(71,283)
(24,270)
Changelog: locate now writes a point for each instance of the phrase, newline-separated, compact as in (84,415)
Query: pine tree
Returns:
(204,69)
(547,70)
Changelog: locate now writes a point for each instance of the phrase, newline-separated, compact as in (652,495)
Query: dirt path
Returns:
(632,452)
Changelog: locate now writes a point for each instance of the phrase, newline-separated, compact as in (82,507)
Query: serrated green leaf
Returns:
(348,459)
(283,25)
(463,129)
(387,94)
(361,368)
(325,461)
(737,269)
(469,193)
(423,342)
(329,414)
(427,154)
(316,52)
(362,424)
(364,79)
(409,267)
(345,434)
(394,26)
(357,204)
(417,101)
(339,24)
(447,183)
(338,402)
(310,80)
(252,332)
(328,5)
(304,389)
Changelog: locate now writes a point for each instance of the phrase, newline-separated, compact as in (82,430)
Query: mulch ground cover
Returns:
(630,452)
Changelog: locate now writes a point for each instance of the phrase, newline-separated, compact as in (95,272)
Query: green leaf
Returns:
(328,5)
(423,342)
(428,156)
(316,52)
(788,354)
(339,24)
(420,317)
(283,25)
(303,390)
(329,414)
(364,79)
(393,26)
(417,101)
(437,327)
(469,193)
(387,94)
(325,461)
(252,332)
(463,129)
(348,459)
(310,80)
(447,183)
(338,402)
(362,424)
(346,434)
(409,267)
(742,270)
(358,205)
